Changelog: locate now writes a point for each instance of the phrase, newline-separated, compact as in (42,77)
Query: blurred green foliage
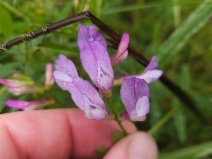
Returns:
(179,32)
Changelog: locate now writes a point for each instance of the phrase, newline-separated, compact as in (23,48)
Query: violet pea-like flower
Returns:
(151,74)
(95,58)
(83,93)
(134,95)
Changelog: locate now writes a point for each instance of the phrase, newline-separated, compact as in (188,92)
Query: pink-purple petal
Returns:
(87,99)
(96,63)
(89,34)
(61,79)
(153,64)
(151,76)
(123,45)
(134,95)
(28,105)
(63,64)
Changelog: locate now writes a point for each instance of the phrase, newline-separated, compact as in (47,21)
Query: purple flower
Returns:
(65,71)
(29,105)
(134,95)
(17,87)
(122,51)
(151,74)
(49,80)
(87,99)
(83,93)
(95,58)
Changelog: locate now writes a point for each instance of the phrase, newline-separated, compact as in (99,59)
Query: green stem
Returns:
(116,115)
(166,118)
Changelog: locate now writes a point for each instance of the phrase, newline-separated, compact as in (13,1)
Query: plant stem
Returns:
(115,114)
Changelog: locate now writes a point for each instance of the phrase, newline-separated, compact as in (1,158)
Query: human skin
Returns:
(66,133)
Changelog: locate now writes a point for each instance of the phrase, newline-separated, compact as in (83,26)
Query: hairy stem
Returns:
(115,114)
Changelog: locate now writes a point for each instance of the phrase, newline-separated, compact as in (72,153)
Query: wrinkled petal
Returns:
(63,64)
(87,99)
(89,34)
(96,63)
(28,105)
(134,95)
(61,79)
(150,76)
(122,51)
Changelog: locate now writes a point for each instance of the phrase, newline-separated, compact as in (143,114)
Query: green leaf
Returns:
(117,135)
(196,20)
(201,151)
(101,151)
(6,25)
(183,79)
(134,7)
(9,69)
(179,122)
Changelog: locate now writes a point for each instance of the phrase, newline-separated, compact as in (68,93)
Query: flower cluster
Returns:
(21,84)
(98,65)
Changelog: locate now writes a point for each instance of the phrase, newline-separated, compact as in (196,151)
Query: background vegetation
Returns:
(179,32)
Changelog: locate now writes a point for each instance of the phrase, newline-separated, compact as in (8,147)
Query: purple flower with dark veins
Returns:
(83,93)
(151,74)
(134,95)
(95,58)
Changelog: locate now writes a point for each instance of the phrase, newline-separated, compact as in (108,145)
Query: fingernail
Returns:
(142,146)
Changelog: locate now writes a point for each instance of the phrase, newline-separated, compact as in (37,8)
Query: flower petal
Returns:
(63,64)
(122,51)
(96,63)
(87,99)
(61,78)
(89,34)
(153,64)
(123,45)
(150,76)
(49,80)
(142,108)
(28,105)
(133,92)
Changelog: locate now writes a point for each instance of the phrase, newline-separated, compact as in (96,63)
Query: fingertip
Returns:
(142,145)
(129,126)
(135,146)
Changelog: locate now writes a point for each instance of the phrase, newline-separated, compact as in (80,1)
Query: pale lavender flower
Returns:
(65,71)
(83,93)
(95,58)
(17,87)
(134,95)
(151,74)
(122,51)
(29,105)
(49,80)
(87,99)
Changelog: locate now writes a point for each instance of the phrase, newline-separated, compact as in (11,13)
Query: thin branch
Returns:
(182,95)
